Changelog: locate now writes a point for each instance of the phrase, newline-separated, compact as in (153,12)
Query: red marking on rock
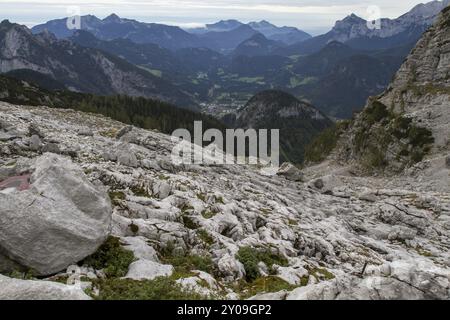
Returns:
(20,183)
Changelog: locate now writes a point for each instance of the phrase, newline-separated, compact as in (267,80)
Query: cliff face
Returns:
(409,121)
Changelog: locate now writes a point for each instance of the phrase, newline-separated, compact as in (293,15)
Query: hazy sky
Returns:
(315,16)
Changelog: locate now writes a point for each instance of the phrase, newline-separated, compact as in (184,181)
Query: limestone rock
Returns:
(58,220)
(290,172)
(148,270)
(15,289)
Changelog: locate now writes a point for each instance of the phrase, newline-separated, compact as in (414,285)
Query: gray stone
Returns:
(161,189)
(33,129)
(127,158)
(15,289)
(61,219)
(109,156)
(5,136)
(140,248)
(51,147)
(123,131)
(290,172)
(85,132)
(148,270)
(35,143)
(447,161)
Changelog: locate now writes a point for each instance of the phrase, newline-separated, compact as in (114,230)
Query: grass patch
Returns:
(111,257)
(263,285)
(190,223)
(205,237)
(321,273)
(208,214)
(140,191)
(162,288)
(185,263)
(201,196)
(250,257)
(117,197)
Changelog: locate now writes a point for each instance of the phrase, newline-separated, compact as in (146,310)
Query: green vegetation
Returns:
(141,191)
(323,273)
(111,257)
(322,145)
(189,222)
(116,197)
(161,288)
(250,257)
(205,237)
(263,285)
(380,128)
(184,264)
(207,214)
(141,112)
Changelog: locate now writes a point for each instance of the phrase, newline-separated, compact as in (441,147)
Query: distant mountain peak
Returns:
(113,18)
(350,19)
(262,24)
(224,25)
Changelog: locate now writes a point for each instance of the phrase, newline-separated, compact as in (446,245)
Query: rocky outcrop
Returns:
(15,289)
(336,236)
(408,123)
(52,217)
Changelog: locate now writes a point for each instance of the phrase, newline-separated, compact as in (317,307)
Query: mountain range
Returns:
(87,192)
(80,68)
(221,66)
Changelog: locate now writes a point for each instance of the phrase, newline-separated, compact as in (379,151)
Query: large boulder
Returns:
(56,219)
(15,289)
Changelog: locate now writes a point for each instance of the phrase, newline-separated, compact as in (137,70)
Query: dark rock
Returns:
(124,131)
(52,148)
(33,130)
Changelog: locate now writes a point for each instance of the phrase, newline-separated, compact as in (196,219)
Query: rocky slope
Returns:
(409,121)
(334,237)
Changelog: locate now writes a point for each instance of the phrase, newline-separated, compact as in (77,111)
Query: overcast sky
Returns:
(314,16)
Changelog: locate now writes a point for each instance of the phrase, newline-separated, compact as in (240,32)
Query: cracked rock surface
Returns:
(343,237)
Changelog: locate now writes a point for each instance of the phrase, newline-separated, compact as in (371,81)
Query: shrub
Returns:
(184,264)
(111,257)
(250,258)
(376,112)
(263,285)
(205,237)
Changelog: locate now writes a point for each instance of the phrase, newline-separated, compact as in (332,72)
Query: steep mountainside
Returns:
(298,121)
(409,121)
(80,68)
